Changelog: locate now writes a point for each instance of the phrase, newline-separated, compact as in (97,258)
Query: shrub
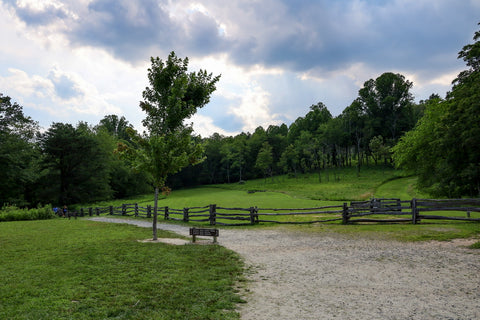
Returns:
(12,213)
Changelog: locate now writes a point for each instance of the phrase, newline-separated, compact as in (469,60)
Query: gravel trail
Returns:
(328,276)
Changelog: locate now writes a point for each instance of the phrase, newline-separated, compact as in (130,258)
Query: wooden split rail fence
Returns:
(374,210)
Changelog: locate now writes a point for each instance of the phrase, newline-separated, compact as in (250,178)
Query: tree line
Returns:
(436,139)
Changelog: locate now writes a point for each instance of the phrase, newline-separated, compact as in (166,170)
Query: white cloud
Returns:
(254,109)
(205,127)
(39,92)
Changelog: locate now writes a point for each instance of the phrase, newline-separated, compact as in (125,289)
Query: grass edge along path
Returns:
(78,269)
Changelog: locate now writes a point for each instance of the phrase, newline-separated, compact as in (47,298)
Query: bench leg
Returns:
(194,238)
(214,239)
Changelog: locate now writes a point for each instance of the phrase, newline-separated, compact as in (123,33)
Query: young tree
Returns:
(173,96)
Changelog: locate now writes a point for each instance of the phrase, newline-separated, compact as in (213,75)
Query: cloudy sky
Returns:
(79,60)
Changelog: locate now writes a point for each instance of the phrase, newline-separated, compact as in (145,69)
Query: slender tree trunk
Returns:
(155,214)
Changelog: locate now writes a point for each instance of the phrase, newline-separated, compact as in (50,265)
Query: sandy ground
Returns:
(319,276)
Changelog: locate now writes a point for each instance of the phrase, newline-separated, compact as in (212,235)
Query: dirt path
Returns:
(318,276)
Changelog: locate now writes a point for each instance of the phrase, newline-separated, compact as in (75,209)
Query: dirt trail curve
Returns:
(318,276)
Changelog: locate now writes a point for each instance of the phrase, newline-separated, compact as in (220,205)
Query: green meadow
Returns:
(306,190)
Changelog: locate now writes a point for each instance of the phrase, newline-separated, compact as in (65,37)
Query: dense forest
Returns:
(436,139)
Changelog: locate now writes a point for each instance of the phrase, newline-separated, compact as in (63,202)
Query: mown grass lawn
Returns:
(78,269)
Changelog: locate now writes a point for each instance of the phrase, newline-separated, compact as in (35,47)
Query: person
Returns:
(65,210)
(55,210)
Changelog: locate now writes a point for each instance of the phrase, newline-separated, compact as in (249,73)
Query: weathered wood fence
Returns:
(374,210)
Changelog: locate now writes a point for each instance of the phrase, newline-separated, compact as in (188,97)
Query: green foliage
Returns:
(18,153)
(289,160)
(12,213)
(74,269)
(174,94)
(443,148)
(159,156)
(265,159)
(70,156)
(387,101)
(115,126)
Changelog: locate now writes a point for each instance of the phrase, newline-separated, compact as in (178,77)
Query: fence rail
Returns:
(375,210)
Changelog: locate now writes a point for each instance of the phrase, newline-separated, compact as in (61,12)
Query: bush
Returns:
(12,213)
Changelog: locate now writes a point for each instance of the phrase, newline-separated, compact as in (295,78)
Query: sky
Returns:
(80,60)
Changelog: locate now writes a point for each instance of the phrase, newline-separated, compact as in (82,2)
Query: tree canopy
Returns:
(443,148)
(174,95)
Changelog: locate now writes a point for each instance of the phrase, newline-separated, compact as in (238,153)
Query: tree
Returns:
(387,102)
(123,181)
(443,148)
(289,160)
(18,154)
(116,126)
(312,122)
(265,159)
(239,152)
(355,118)
(70,156)
(173,96)
(378,149)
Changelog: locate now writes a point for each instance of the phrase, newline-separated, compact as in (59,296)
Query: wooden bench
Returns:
(194,232)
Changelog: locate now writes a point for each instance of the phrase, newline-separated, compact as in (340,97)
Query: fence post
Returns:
(136,209)
(81,212)
(345,216)
(124,209)
(111,210)
(97,211)
(213,214)
(185,214)
(413,204)
(253,215)
(166,215)
(149,211)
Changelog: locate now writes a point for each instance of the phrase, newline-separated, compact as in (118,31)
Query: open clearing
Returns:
(330,276)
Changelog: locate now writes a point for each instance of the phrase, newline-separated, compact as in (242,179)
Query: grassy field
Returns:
(342,185)
(336,187)
(78,269)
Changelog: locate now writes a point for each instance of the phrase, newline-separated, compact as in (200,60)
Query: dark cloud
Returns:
(125,28)
(203,35)
(65,87)
(297,35)
(46,16)
(333,35)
